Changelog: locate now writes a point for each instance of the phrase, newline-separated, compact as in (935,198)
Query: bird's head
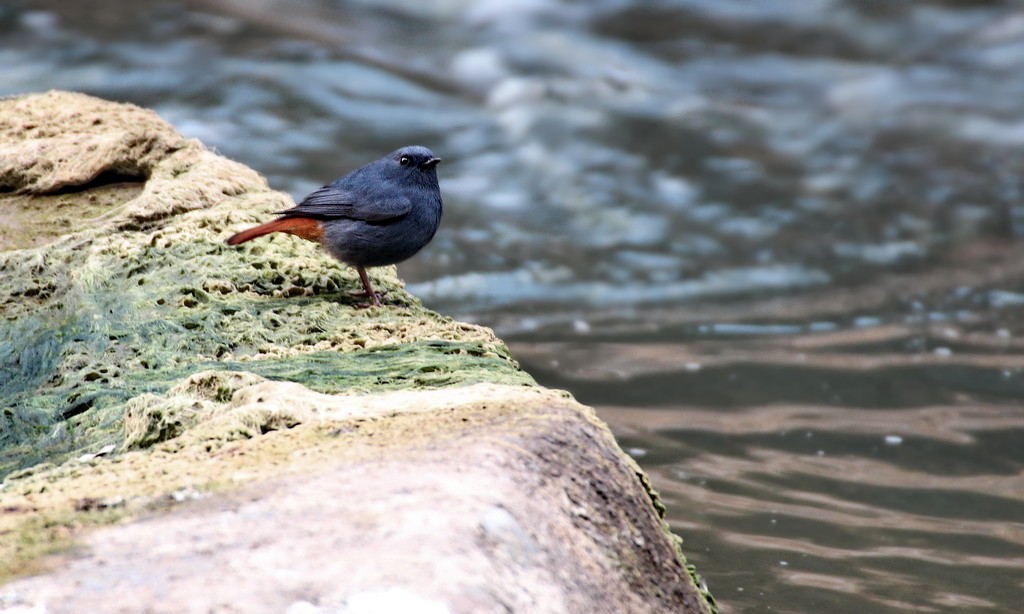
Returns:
(415,157)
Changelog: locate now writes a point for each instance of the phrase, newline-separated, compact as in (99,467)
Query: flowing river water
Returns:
(776,244)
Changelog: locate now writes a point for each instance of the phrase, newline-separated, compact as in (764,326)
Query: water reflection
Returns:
(773,242)
(846,470)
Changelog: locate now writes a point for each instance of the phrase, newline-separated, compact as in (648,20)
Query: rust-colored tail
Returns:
(307,228)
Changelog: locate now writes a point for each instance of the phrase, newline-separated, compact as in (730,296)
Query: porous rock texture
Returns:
(187,426)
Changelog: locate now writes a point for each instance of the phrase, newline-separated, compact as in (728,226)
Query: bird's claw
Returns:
(375,300)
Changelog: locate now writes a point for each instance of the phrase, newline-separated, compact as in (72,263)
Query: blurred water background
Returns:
(775,244)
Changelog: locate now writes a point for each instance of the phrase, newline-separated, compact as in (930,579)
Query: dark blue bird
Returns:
(377,215)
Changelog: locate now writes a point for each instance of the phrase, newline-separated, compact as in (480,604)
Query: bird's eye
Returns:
(404,160)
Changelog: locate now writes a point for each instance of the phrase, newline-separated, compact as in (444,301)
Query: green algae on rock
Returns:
(150,419)
(134,303)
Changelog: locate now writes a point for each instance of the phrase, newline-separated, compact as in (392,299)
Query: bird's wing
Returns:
(333,202)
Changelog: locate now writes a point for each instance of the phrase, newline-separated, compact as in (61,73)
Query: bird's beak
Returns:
(431,163)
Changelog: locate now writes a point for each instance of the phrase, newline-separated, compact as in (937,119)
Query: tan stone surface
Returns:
(480,499)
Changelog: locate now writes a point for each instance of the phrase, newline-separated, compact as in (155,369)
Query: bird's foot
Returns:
(375,298)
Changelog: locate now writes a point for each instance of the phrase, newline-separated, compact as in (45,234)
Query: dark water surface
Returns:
(776,244)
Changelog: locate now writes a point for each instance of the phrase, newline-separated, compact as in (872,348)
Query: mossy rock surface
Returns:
(130,301)
(144,364)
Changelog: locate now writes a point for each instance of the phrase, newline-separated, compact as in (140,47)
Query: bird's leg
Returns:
(363,277)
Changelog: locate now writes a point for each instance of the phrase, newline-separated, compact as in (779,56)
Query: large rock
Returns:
(254,441)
